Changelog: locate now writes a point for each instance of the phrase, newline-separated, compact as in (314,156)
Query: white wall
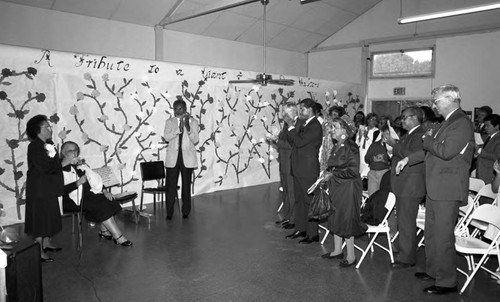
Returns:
(40,28)
(337,65)
(469,61)
(206,51)
(473,64)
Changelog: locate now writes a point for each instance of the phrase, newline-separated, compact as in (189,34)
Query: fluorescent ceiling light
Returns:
(449,13)
(307,1)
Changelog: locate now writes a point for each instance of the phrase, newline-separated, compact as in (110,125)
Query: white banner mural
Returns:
(115,109)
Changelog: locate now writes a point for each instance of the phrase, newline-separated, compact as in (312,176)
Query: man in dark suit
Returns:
(490,151)
(447,162)
(409,184)
(479,125)
(306,138)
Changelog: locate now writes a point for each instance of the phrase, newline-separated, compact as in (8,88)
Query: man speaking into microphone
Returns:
(182,134)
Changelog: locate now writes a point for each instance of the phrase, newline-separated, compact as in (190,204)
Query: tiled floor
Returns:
(229,250)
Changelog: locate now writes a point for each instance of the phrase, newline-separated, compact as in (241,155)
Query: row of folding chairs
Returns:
(477,231)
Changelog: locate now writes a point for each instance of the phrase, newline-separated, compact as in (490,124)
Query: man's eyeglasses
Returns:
(436,101)
(404,117)
(47,127)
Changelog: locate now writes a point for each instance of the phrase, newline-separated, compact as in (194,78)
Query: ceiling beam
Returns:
(412,37)
(208,9)
(171,11)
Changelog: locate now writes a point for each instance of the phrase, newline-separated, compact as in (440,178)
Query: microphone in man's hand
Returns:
(186,121)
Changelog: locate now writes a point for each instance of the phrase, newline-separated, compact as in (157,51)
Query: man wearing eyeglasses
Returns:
(449,152)
(409,184)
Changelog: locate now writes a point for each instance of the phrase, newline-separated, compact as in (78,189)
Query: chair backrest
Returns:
(389,205)
(475,184)
(489,214)
(152,170)
(486,191)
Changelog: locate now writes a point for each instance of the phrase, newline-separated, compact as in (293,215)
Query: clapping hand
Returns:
(496,166)
(186,122)
(401,164)
(288,120)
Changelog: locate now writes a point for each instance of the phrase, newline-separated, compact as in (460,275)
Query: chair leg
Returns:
(154,203)
(327,232)
(281,205)
(134,210)
(389,242)
(365,251)
(142,198)
(80,232)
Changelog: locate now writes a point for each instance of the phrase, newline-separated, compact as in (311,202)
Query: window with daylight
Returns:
(403,63)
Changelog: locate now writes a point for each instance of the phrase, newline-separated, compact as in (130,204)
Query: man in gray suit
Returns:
(409,184)
(447,162)
(182,134)
(285,167)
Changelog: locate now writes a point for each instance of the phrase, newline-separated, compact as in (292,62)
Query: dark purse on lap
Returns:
(320,207)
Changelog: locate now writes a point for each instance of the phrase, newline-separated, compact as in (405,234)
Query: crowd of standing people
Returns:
(428,158)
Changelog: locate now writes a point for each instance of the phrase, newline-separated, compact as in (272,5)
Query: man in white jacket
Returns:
(182,134)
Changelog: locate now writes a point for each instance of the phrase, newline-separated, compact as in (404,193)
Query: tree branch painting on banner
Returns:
(18,108)
(116,108)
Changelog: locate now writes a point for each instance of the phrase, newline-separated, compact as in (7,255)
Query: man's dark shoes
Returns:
(185,216)
(309,239)
(329,256)
(296,234)
(423,276)
(289,226)
(169,217)
(439,290)
(402,265)
(46,260)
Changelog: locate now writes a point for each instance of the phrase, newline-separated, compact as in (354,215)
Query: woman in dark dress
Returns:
(98,207)
(44,184)
(345,190)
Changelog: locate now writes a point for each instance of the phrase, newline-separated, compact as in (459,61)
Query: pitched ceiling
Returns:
(290,25)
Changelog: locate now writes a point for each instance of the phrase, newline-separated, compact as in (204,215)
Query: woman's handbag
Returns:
(320,207)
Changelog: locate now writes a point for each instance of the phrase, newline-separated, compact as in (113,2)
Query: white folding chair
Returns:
(470,246)
(485,191)
(382,228)
(475,184)
(364,197)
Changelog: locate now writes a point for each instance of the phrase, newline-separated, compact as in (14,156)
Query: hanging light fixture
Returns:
(449,13)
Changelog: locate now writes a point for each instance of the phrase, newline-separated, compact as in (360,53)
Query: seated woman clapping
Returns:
(97,203)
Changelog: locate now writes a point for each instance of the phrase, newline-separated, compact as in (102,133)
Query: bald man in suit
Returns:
(409,184)
(448,157)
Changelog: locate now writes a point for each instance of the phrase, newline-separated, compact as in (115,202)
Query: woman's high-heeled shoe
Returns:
(127,243)
(104,235)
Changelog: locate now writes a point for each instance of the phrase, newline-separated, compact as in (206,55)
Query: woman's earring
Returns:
(343,136)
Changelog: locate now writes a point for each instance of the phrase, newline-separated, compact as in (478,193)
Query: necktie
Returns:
(486,141)
(180,135)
